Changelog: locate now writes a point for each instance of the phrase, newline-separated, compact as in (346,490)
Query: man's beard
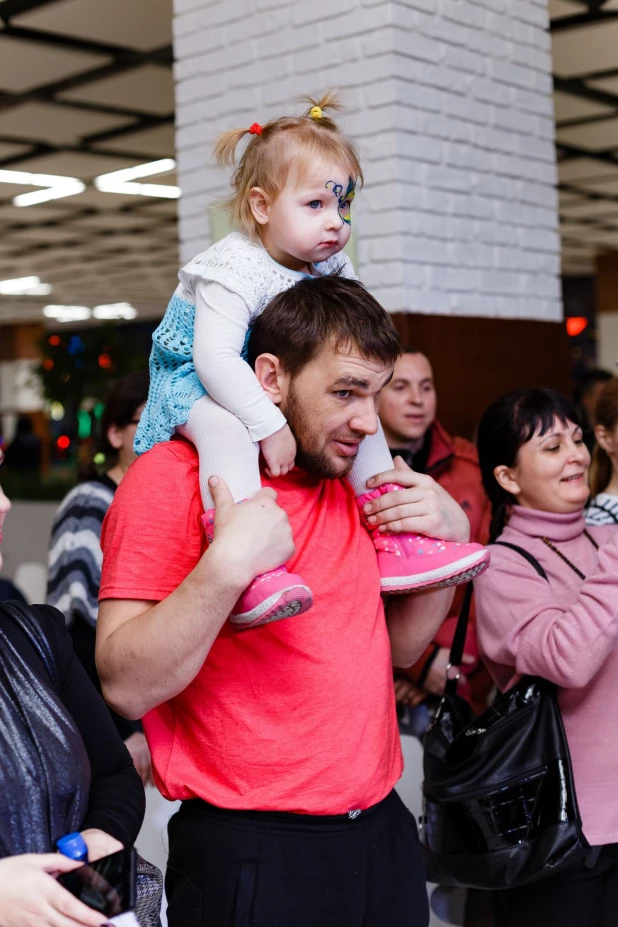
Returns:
(314,461)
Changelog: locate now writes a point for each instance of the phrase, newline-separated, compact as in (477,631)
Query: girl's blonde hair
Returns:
(274,147)
(605,414)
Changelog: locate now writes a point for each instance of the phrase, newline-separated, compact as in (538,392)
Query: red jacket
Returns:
(453,463)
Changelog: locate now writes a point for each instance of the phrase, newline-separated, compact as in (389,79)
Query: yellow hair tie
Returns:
(316,112)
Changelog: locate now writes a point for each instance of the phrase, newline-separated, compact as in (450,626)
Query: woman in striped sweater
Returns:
(75,552)
(603,505)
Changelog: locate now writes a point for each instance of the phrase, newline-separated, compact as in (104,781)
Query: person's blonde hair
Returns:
(274,147)
(605,414)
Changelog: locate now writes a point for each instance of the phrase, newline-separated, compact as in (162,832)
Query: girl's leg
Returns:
(409,561)
(226,450)
(373,457)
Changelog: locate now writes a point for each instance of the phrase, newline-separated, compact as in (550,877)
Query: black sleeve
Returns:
(84,638)
(117,800)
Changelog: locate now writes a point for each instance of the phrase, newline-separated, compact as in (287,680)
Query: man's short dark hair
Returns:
(299,322)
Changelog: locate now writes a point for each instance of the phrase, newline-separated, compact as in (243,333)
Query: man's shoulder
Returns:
(177,452)
(170,467)
(465,451)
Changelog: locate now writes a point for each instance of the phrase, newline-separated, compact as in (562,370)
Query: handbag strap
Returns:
(526,555)
(459,638)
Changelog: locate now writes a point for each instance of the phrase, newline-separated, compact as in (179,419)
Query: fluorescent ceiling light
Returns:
(163,166)
(120,181)
(115,311)
(139,189)
(51,193)
(67,313)
(55,186)
(24,286)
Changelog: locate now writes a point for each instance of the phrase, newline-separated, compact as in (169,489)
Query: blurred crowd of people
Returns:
(544,477)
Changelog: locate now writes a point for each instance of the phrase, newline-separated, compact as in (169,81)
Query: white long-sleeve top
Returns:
(231,284)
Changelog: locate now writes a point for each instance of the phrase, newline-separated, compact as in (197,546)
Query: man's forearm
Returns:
(413,621)
(147,653)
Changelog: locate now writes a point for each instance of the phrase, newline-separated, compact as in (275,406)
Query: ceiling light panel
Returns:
(60,125)
(149,89)
(55,186)
(82,164)
(558,9)
(575,169)
(140,24)
(585,50)
(115,311)
(26,64)
(595,136)
(24,286)
(155,142)
(568,106)
(123,181)
(67,313)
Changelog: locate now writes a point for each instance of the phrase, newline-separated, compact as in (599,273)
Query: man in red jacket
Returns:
(408,416)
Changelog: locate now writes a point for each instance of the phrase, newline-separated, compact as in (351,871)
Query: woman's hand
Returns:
(407,693)
(420,507)
(31,897)
(436,677)
(279,451)
(99,843)
(137,745)
(251,538)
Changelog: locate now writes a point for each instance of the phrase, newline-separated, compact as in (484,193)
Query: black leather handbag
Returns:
(500,808)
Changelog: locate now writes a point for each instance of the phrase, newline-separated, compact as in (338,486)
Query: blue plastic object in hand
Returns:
(73,846)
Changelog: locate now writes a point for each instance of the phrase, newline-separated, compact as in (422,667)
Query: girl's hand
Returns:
(99,843)
(31,897)
(436,677)
(279,451)
(407,693)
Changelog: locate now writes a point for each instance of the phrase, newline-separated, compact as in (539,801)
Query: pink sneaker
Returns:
(270,597)
(412,561)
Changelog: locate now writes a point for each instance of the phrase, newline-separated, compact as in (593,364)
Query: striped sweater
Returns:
(602,510)
(75,554)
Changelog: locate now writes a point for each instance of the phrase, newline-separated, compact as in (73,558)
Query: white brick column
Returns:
(450,102)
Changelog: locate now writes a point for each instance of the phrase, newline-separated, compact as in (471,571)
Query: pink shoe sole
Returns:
(285,603)
(452,574)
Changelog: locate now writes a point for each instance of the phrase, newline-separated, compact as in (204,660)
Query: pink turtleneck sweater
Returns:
(564,630)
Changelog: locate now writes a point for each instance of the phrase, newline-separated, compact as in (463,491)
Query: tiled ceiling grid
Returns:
(86,88)
(585,55)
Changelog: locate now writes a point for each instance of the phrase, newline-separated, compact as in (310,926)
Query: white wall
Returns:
(451,104)
(26,534)
(607,334)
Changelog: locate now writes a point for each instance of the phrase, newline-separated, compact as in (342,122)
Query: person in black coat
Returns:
(64,768)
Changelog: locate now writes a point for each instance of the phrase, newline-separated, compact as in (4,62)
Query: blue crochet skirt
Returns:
(174,384)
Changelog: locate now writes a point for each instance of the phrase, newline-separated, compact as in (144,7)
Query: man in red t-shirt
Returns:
(282,740)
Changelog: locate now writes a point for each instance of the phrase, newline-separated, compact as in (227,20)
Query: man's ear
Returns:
(506,479)
(260,203)
(270,376)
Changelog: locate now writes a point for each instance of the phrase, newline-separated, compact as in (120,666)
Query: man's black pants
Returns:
(267,869)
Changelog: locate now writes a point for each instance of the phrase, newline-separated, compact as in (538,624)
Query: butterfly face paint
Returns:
(344,199)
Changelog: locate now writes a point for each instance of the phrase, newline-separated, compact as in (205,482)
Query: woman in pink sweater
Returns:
(534,465)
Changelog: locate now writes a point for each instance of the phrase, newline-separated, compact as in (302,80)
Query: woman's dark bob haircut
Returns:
(506,425)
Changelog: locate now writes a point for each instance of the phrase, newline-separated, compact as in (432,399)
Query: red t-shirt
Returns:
(297,715)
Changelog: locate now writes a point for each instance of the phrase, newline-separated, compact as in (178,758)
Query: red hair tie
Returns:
(255,129)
